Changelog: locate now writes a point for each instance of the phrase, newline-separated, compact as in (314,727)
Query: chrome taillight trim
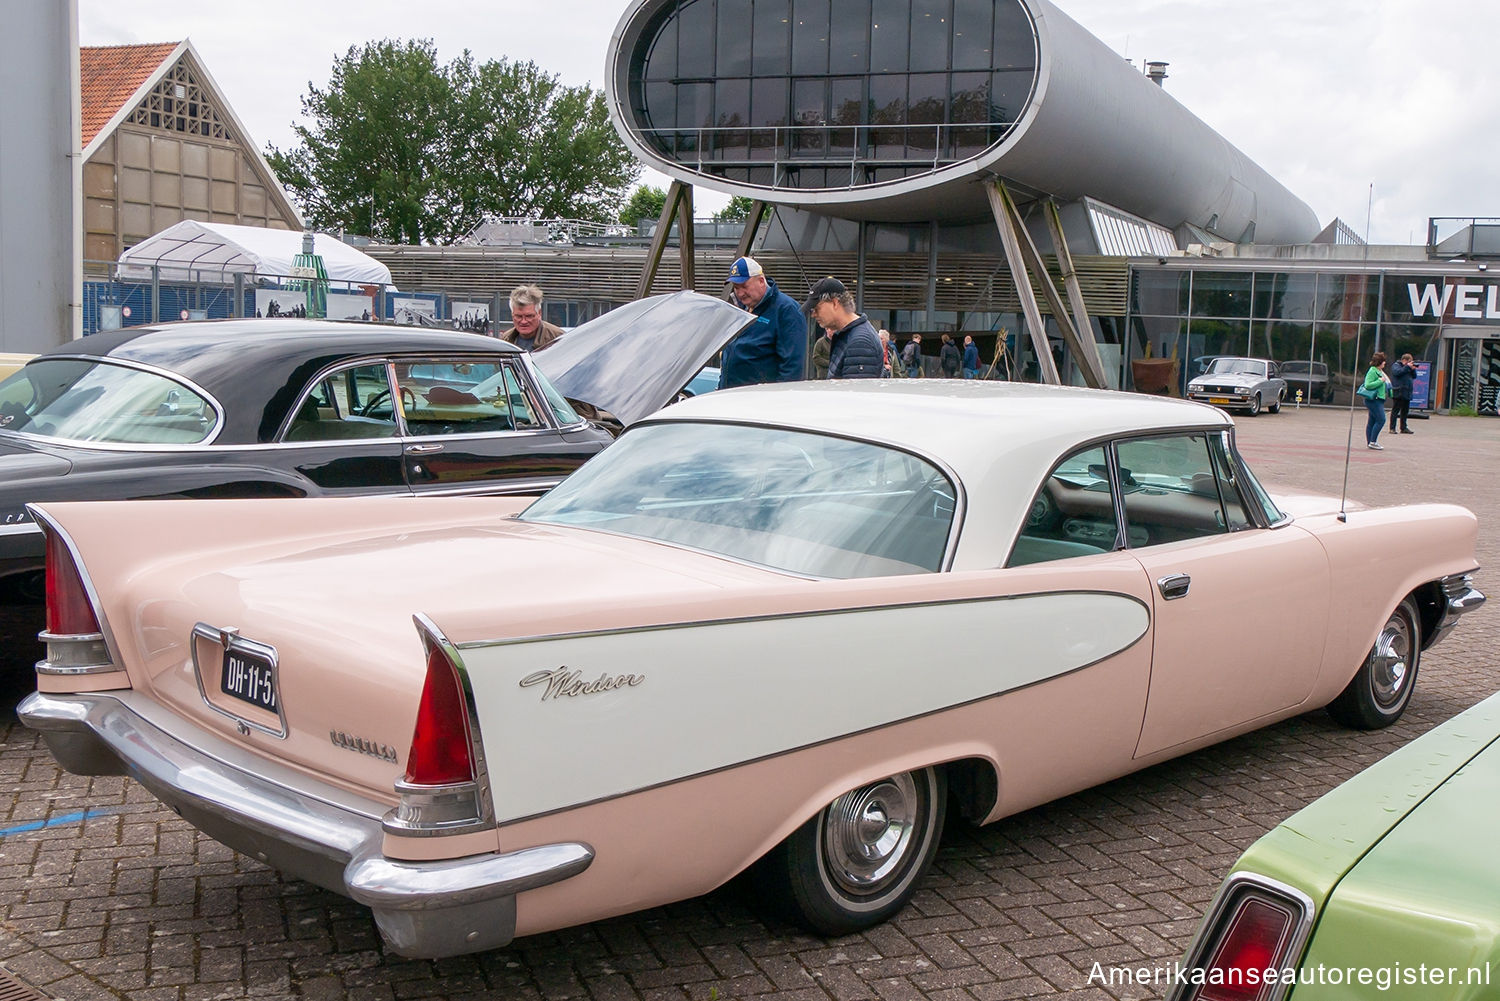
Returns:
(75,655)
(72,664)
(458,808)
(1238,887)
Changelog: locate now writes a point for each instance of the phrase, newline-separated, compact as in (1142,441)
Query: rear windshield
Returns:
(87,400)
(805,503)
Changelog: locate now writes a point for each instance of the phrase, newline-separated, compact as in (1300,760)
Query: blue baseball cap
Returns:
(744,269)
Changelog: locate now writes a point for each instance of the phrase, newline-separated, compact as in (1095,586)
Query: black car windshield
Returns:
(86,400)
(804,503)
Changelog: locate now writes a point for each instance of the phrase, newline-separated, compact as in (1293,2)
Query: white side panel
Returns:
(718,694)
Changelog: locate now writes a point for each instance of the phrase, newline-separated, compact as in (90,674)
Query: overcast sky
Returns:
(1330,96)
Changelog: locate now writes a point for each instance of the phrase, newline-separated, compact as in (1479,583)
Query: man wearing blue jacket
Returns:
(774,348)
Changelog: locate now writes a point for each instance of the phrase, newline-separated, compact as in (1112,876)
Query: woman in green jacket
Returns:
(1376,388)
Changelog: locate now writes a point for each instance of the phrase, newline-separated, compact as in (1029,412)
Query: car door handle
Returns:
(422,449)
(1174,586)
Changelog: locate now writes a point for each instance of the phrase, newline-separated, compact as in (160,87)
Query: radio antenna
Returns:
(1358,330)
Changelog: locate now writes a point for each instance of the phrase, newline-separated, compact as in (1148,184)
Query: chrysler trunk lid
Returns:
(328,608)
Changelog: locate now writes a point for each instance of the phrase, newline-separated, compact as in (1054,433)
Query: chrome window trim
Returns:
(950,545)
(118,446)
(21,528)
(227,637)
(494,488)
(1235,888)
(111,648)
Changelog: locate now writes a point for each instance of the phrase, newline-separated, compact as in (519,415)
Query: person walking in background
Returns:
(820,354)
(971,358)
(911,356)
(1403,375)
(887,352)
(529,331)
(949,359)
(774,347)
(854,351)
(1375,389)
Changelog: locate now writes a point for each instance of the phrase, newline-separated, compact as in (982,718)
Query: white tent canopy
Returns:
(213,251)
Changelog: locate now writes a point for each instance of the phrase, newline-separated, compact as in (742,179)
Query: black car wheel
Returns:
(858,861)
(1381,689)
(1254,405)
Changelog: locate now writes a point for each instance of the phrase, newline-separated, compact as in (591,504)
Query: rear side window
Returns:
(1073,514)
(350,404)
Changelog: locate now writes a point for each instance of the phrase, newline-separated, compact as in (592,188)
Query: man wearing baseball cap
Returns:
(774,347)
(856,351)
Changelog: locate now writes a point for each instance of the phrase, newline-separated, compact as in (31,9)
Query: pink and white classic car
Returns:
(786,627)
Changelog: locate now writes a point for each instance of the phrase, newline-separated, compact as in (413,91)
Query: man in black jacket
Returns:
(1403,374)
(855,352)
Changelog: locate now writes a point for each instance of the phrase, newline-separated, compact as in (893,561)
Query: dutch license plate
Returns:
(248,676)
(1218,399)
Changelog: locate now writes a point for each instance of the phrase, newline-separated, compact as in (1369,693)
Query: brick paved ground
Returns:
(132,903)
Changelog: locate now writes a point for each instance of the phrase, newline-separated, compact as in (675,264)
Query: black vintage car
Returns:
(274,408)
(283,408)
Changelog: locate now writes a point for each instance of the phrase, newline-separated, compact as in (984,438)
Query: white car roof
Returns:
(1000,438)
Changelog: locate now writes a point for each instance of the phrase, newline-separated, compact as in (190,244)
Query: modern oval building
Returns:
(901,110)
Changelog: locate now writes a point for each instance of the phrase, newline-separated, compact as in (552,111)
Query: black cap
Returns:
(827,288)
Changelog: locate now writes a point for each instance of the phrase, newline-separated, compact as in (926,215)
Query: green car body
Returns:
(1392,879)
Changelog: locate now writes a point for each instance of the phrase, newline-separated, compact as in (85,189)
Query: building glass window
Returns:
(772,37)
(973,22)
(931,34)
(1159,293)
(809,37)
(1283,296)
(912,85)
(1221,293)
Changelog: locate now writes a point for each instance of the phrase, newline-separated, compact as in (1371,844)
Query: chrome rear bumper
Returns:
(1459,597)
(310,830)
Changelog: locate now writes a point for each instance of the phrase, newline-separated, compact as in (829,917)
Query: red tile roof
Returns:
(110,74)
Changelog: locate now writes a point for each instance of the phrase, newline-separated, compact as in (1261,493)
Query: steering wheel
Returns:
(1045,513)
(408,401)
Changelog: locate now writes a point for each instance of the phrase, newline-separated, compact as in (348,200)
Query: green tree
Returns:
(375,158)
(738,209)
(645,202)
(404,149)
(537,148)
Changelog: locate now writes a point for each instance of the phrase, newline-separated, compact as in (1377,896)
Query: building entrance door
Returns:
(1474,371)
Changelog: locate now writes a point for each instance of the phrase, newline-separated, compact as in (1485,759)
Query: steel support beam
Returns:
(679,205)
(1006,221)
(1081,320)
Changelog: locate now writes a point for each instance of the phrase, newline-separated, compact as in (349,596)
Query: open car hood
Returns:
(633,360)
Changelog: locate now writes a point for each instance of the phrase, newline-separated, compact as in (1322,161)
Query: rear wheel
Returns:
(1275,407)
(1382,688)
(859,860)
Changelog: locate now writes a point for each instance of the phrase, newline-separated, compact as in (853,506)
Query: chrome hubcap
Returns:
(868,831)
(1390,662)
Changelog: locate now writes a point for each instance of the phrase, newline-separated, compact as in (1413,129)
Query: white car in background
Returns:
(1248,384)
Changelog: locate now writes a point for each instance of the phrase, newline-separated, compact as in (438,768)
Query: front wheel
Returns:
(1382,688)
(858,861)
(1254,407)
